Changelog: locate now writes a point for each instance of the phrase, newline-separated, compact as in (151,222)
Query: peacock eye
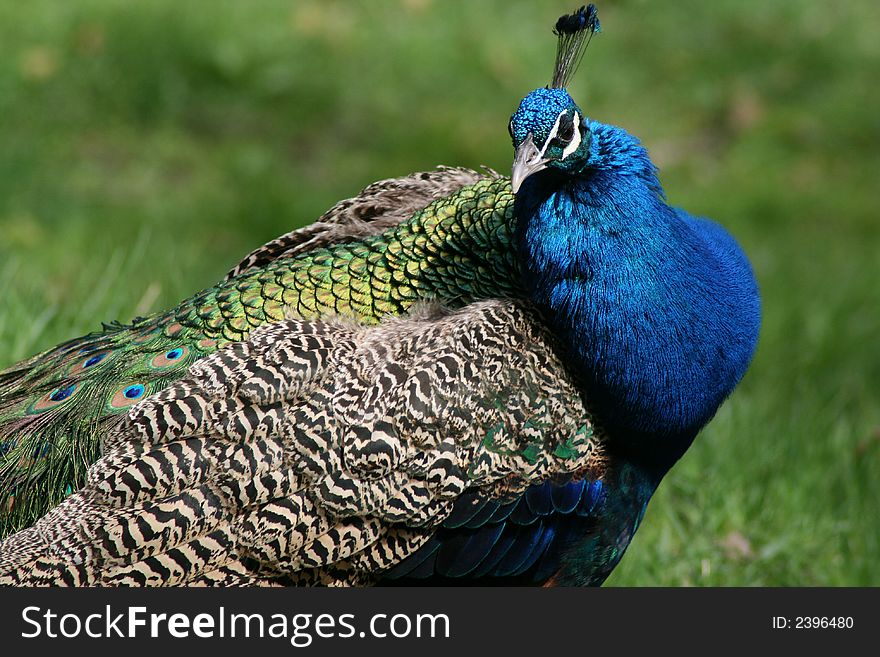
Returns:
(510,128)
(566,131)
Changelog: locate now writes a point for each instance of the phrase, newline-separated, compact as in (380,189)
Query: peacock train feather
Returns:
(454,376)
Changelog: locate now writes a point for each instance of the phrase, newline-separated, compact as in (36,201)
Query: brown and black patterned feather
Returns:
(319,452)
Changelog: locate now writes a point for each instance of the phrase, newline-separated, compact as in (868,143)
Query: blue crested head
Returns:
(538,113)
(548,129)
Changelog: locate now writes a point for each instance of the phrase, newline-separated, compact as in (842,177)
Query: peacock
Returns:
(454,377)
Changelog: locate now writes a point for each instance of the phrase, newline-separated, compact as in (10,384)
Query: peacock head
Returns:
(548,129)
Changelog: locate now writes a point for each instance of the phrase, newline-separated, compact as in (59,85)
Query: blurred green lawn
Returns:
(144,149)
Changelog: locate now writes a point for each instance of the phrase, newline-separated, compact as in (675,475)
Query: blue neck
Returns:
(658,310)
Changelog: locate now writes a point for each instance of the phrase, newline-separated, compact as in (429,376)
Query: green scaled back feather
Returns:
(55,406)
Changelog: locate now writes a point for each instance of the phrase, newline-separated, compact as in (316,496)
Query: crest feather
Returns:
(575,32)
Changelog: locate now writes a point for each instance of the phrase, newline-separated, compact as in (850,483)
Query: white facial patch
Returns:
(552,134)
(575,139)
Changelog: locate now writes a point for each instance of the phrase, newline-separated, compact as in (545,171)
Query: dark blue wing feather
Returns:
(565,498)
(504,511)
(484,515)
(539,498)
(528,538)
(522,514)
(464,552)
(590,498)
(496,554)
(540,548)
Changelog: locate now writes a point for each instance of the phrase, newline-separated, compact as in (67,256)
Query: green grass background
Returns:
(144,149)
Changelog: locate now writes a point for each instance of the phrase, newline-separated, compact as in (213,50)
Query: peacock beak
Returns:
(526,161)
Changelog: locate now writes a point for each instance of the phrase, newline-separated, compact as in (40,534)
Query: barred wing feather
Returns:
(319,452)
